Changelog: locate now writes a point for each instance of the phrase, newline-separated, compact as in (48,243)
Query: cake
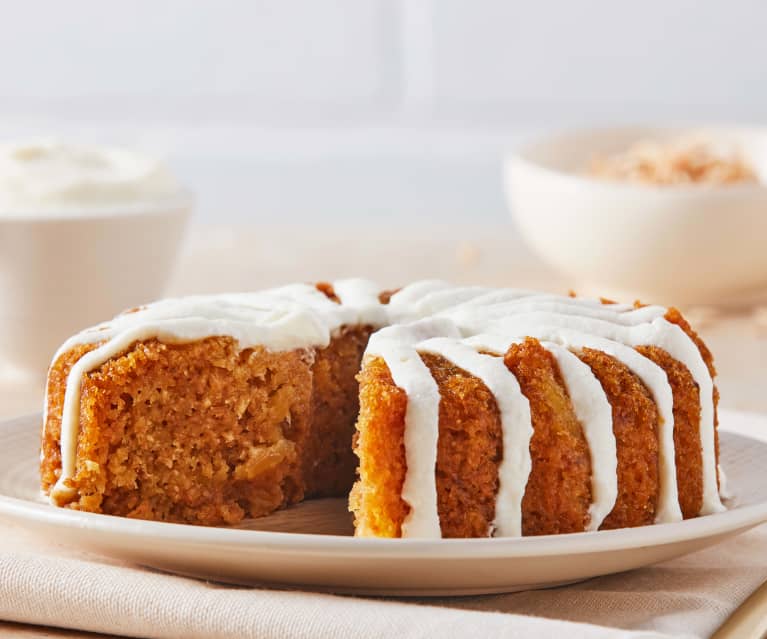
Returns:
(441,411)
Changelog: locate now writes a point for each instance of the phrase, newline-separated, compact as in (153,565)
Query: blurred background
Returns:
(334,138)
(366,111)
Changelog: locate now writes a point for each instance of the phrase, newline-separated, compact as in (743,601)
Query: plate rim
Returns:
(27,513)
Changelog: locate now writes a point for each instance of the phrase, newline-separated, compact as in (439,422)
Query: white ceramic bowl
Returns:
(62,273)
(666,244)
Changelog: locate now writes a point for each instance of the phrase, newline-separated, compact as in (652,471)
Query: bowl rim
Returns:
(522,157)
(179,204)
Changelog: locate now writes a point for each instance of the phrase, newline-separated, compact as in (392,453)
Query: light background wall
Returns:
(367,110)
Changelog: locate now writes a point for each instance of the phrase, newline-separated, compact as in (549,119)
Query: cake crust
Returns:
(558,493)
(376,498)
(688,455)
(635,426)
(469,451)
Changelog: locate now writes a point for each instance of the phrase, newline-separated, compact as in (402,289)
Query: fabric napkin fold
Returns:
(687,597)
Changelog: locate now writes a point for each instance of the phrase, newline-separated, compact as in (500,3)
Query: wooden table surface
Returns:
(223,258)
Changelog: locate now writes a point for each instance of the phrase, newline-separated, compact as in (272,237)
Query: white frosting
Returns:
(516,424)
(53,177)
(403,301)
(363,296)
(437,298)
(677,343)
(455,323)
(593,410)
(467,317)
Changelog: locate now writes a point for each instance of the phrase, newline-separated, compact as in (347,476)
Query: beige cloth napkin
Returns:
(687,597)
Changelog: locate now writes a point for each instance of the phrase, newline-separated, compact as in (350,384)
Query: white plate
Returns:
(309,545)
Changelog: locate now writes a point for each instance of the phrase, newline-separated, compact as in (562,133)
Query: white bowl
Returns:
(667,244)
(62,273)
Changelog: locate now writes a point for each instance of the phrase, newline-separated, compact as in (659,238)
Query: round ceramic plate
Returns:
(310,545)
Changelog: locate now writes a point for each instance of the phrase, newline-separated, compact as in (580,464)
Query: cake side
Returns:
(50,445)
(200,432)
(675,317)
(376,498)
(656,419)
(635,426)
(470,450)
(558,492)
(328,462)
(687,445)
(468,455)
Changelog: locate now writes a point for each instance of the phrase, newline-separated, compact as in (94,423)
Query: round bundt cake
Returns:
(465,411)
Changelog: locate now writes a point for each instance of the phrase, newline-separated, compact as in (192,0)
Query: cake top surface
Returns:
(301,315)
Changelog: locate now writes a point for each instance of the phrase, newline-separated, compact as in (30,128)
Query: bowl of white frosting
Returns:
(669,215)
(85,232)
